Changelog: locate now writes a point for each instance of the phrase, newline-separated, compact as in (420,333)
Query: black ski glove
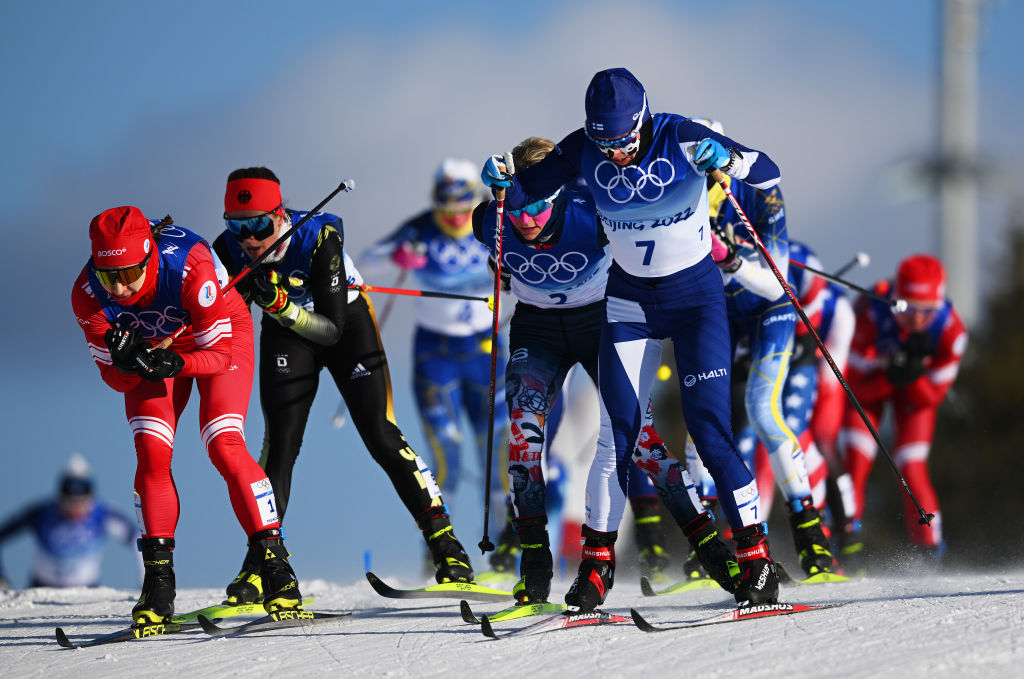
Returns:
(907,365)
(159,364)
(124,344)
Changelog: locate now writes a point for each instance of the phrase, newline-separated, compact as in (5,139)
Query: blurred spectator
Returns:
(69,530)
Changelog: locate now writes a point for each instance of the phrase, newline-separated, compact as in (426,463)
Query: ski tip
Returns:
(639,621)
(467,613)
(485,627)
(646,588)
(62,638)
(208,626)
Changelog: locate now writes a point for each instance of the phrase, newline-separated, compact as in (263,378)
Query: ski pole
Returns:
(485,543)
(897,305)
(717,175)
(861,259)
(418,293)
(338,419)
(346,185)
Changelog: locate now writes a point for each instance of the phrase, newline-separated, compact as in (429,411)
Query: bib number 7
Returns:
(649,246)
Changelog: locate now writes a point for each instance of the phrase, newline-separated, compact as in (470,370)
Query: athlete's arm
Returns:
(94,325)
(928,390)
(768,218)
(117,526)
(329,287)
(210,316)
(866,368)
(539,181)
(748,165)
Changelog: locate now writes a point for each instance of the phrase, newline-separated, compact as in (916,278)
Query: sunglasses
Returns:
(922,307)
(127,275)
(259,227)
(534,209)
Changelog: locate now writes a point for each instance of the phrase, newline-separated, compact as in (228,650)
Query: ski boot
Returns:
(649,539)
(247,587)
(450,559)
(852,560)
(710,557)
(536,566)
(156,603)
(597,571)
(280,587)
(759,580)
(506,556)
(811,543)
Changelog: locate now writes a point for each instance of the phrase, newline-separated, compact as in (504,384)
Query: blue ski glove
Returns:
(494,174)
(710,154)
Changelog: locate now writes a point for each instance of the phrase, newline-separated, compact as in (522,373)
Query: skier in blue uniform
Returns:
(555,253)
(647,175)
(452,345)
(760,313)
(70,531)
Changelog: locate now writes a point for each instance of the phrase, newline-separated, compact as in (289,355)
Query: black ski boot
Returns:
(247,587)
(597,571)
(280,587)
(809,538)
(649,538)
(536,566)
(710,556)
(506,556)
(156,603)
(450,559)
(759,580)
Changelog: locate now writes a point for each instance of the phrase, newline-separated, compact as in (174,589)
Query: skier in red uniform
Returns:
(908,360)
(145,280)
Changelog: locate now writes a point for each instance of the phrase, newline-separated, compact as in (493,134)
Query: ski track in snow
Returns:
(944,624)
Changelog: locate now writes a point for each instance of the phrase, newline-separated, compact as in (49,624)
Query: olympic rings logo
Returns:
(155,323)
(623,183)
(542,266)
(456,257)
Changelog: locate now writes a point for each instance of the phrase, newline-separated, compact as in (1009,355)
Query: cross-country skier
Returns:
(760,313)
(69,531)
(647,175)
(146,279)
(452,344)
(312,321)
(813,399)
(907,360)
(555,253)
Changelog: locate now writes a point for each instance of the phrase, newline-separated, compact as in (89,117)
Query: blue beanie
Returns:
(614,103)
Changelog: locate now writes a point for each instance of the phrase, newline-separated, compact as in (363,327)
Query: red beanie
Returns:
(252,193)
(921,277)
(121,236)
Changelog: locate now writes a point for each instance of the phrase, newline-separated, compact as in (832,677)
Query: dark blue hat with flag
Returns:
(616,104)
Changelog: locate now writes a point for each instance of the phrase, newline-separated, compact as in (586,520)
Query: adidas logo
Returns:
(359,371)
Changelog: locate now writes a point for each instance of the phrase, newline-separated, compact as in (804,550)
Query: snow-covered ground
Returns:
(943,625)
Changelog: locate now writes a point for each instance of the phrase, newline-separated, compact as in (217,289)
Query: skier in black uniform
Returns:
(311,321)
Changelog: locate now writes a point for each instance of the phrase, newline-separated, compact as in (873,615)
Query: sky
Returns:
(113,103)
